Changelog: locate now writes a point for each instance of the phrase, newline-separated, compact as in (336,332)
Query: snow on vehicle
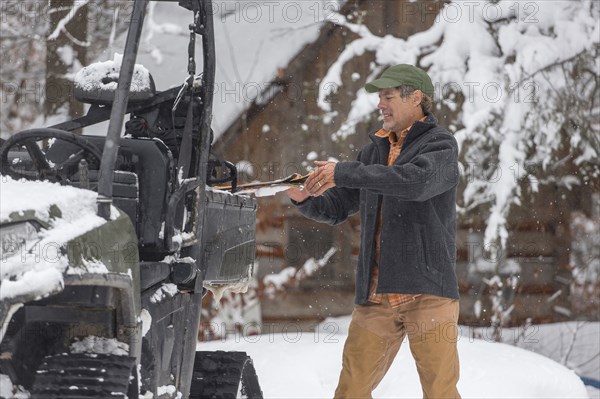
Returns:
(109,243)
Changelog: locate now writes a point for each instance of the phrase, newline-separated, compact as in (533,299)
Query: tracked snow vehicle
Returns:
(107,302)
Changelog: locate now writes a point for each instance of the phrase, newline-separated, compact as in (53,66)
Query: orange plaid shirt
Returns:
(395,300)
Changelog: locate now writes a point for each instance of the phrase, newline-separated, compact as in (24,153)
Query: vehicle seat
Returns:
(144,173)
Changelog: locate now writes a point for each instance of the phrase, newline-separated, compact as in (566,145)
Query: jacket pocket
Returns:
(425,258)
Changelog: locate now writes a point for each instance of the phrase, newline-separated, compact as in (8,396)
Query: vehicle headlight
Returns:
(16,237)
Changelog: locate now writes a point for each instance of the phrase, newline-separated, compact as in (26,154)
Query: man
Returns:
(404,186)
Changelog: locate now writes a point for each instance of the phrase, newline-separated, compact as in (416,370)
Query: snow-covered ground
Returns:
(307,365)
(575,344)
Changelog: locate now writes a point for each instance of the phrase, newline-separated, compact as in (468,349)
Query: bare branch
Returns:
(569,349)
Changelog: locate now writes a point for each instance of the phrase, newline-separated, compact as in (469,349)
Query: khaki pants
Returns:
(376,333)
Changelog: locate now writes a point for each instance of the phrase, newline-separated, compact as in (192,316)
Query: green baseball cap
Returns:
(399,75)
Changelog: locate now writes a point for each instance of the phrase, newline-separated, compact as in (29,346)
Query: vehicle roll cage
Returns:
(202,25)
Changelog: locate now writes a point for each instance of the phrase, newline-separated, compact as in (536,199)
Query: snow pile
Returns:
(105,75)
(37,267)
(488,370)
(100,345)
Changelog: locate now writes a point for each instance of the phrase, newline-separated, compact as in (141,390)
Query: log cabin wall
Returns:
(276,137)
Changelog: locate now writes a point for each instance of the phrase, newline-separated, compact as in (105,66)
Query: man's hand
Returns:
(322,179)
(297,194)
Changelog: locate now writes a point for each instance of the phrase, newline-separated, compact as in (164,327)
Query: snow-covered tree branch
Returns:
(522,81)
(61,25)
(291,277)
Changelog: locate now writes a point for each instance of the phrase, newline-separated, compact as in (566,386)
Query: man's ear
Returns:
(417,97)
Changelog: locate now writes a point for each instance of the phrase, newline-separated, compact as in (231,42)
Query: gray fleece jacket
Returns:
(417,199)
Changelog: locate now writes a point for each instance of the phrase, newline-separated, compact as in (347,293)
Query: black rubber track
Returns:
(83,375)
(220,375)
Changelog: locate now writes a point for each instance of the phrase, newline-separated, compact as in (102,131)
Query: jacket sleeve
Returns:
(333,207)
(433,171)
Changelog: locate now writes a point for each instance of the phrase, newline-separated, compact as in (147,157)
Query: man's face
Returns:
(399,113)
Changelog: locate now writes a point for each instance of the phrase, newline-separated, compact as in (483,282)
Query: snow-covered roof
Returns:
(252,39)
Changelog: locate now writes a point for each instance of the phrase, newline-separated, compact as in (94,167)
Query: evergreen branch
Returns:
(547,68)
